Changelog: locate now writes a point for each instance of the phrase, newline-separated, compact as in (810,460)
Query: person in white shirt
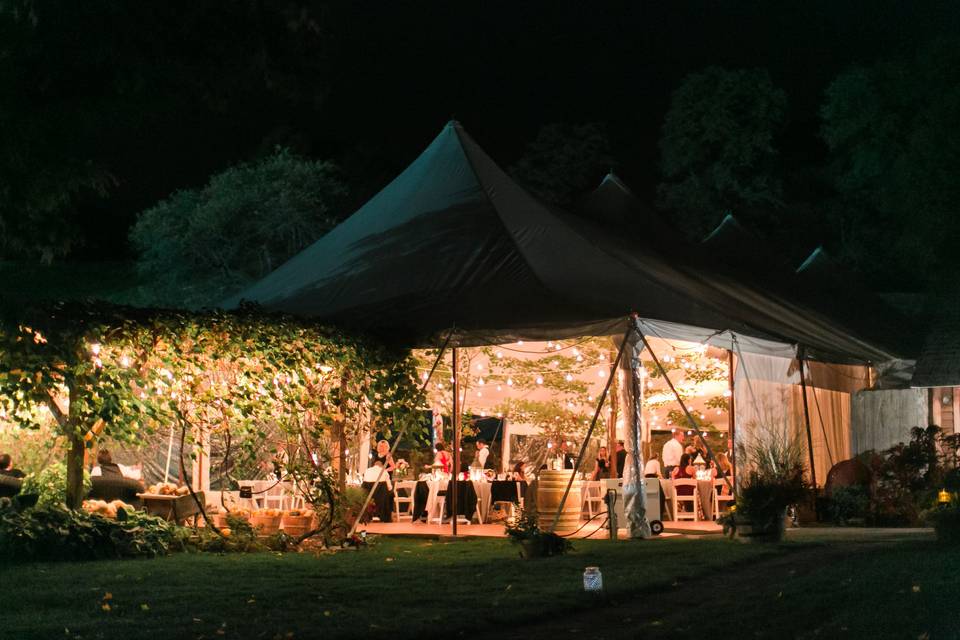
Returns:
(483,452)
(672,451)
(377,474)
(652,468)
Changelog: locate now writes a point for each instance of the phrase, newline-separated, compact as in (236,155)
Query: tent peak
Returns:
(614,179)
(815,256)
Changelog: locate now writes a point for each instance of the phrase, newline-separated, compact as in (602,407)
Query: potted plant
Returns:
(773,480)
(524,529)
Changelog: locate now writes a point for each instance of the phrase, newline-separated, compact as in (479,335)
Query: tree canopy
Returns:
(198,246)
(718,148)
(895,155)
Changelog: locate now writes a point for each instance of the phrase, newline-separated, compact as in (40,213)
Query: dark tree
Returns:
(198,246)
(564,161)
(717,146)
(894,139)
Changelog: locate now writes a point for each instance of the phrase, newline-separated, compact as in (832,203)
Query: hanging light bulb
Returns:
(499,354)
(555,363)
(480,381)
(499,388)
(576,351)
(539,380)
(601,357)
(439,385)
(520,342)
(549,344)
(569,378)
(590,397)
(479,367)
(509,382)
(579,358)
(556,347)
(479,394)
(424,375)
(600,373)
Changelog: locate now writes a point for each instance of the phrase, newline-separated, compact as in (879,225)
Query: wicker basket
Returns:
(265,525)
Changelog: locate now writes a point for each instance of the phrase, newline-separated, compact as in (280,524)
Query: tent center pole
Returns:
(456,442)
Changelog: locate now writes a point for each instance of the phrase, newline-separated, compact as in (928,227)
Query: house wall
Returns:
(945,408)
(882,418)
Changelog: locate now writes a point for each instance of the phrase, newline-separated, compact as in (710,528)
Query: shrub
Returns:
(524,529)
(51,485)
(53,532)
(847,503)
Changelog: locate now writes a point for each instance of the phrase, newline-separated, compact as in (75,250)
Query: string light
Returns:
(569,378)
(600,373)
(509,382)
(479,367)
(539,380)
(480,381)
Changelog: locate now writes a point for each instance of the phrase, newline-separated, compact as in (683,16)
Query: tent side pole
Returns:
(456,443)
(593,423)
(732,418)
(686,411)
(396,443)
(806,417)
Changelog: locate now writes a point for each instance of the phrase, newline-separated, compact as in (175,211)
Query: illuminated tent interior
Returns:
(453,248)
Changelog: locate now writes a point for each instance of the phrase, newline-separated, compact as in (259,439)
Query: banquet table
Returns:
(704,494)
(427,491)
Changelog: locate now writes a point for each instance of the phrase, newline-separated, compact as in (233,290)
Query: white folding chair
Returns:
(403,495)
(276,496)
(669,499)
(680,499)
(592,500)
(719,498)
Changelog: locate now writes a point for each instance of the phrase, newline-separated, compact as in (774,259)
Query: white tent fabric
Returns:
(767,393)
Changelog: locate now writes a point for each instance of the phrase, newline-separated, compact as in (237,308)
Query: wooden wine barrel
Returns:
(297,526)
(551,485)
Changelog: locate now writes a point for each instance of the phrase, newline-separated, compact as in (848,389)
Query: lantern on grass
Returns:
(592,580)
(943,497)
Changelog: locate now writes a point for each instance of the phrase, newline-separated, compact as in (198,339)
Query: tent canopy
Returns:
(454,243)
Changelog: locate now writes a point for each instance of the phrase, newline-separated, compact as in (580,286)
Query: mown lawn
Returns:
(673,588)
(400,589)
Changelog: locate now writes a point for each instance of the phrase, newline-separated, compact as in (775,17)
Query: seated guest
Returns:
(443,459)
(652,468)
(376,474)
(518,472)
(106,466)
(384,456)
(684,470)
(6,467)
(601,465)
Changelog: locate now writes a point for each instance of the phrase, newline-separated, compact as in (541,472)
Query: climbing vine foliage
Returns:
(121,373)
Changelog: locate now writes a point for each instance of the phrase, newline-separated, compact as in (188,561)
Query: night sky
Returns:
(380,79)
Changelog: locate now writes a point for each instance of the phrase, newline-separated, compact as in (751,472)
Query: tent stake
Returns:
(593,423)
(806,417)
(683,406)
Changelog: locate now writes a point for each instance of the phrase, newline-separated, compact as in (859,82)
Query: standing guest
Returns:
(672,451)
(601,465)
(6,467)
(621,458)
(569,460)
(652,468)
(384,456)
(483,452)
(442,458)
